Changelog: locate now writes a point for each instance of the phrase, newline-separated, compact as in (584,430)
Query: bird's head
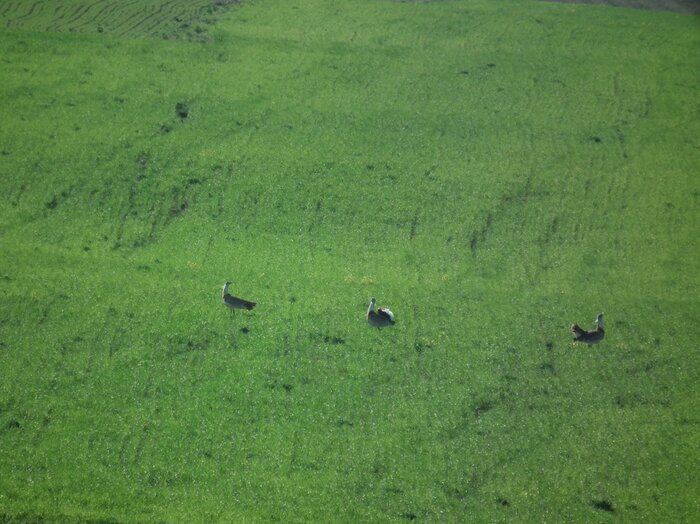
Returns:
(599,321)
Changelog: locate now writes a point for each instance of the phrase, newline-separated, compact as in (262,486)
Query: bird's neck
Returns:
(224,290)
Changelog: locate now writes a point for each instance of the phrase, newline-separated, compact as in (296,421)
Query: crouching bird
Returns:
(589,337)
(380,318)
(235,302)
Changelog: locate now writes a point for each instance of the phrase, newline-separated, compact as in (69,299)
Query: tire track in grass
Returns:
(98,14)
(125,21)
(57,15)
(172,14)
(176,10)
(103,17)
(130,453)
(131,18)
(9,6)
(72,17)
(145,19)
(80,20)
(118,12)
(24,16)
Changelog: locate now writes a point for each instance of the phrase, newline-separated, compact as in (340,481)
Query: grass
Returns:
(155,18)
(491,171)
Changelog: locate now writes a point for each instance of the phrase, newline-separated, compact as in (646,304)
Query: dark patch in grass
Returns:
(182,110)
(645,368)
(482,234)
(622,141)
(165,129)
(414,226)
(621,401)
(245,330)
(490,65)
(143,267)
(603,505)
(189,346)
(143,159)
(552,230)
(292,300)
(12,424)
(53,203)
(333,340)
(421,344)
(342,423)
(288,387)
(179,208)
(549,345)
(595,139)
(409,515)
(482,407)
(503,502)
(464,72)
(548,367)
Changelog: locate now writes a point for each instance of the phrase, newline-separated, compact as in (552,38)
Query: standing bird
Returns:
(589,337)
(235,302)
(380,318)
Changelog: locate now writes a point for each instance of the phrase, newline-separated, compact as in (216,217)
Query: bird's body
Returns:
(381,317)
(589,337)
(235,302)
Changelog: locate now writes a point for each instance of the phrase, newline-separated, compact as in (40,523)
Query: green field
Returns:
(166,19)
(492,171)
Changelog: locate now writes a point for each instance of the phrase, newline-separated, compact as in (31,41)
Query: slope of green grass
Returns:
(490,171)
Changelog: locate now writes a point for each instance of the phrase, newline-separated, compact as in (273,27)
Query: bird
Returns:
(234,302)
(380,318)
(589,337)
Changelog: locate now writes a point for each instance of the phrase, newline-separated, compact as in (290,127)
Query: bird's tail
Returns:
(250,305)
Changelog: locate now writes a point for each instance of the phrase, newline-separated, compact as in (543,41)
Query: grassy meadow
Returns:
(491,171)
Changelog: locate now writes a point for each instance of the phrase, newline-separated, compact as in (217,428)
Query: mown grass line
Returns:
(143,20)
(79,14)
(154,18)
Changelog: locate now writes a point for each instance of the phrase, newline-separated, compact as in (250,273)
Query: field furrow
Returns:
(132,18)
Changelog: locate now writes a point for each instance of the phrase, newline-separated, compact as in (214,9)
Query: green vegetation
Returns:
(165,19)
(492,171)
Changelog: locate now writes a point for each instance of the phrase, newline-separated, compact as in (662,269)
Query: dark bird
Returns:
(589,337)
(235,302)
(380,318)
